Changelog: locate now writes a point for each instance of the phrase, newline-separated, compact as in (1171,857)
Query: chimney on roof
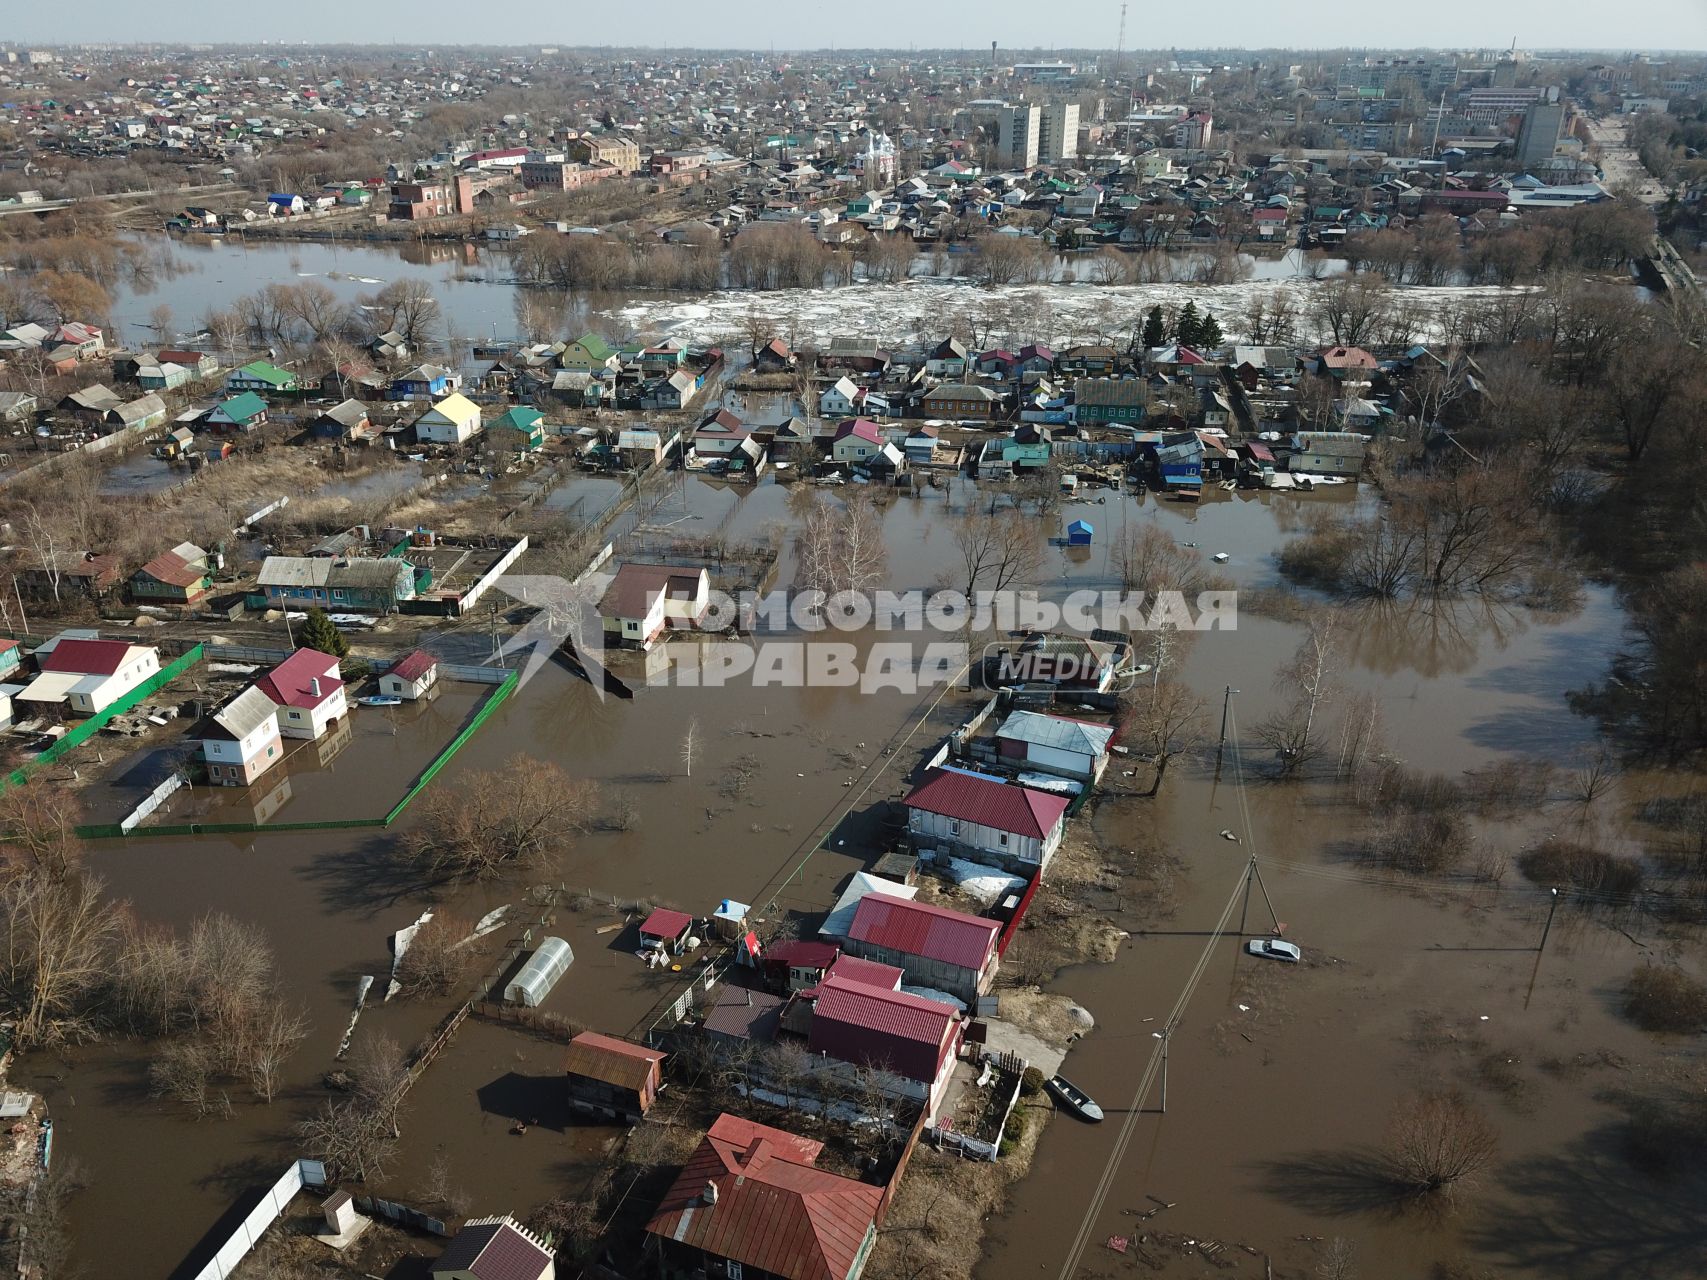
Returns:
(709,1195)
(314,686)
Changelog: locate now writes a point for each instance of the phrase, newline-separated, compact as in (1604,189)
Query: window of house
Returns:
(1002,839)
(735,1271)
(954,826)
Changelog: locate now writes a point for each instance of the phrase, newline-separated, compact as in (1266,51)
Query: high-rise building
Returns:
(1016,134)
(1058,132)
(1538,139)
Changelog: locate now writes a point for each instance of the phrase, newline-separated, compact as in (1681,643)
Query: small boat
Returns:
(380,700)
(1074,1098)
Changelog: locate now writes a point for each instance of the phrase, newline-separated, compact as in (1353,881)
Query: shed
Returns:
(411,676)
(1079,533)
(540,974)
(612,1077)
(666,929)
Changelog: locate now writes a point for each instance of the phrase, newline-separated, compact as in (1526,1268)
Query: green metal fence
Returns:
(500,695)
(83,730)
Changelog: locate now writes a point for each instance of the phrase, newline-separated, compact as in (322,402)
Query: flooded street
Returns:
(1331,1043)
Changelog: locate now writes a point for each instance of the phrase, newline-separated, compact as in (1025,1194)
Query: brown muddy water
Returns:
(1241,1149)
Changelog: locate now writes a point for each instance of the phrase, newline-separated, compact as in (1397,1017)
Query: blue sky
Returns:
(1674,24)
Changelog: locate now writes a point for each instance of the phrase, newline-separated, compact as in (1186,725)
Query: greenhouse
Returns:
(540,974)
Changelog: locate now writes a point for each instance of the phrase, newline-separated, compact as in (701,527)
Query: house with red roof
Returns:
(932,946)
(913,1041)
(308,691)
(751,1204)
(856,440)
(1015,827)
(89,675)
(411,677)
(179,576)
(495,1249)
(719,435)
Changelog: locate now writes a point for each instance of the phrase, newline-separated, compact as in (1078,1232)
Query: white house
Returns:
(719,435)
(89,675)
(1012,826)
(1055,744)
(839,400)
(411,676)
(241,740)
(644,599)
(308,692)
(453,420)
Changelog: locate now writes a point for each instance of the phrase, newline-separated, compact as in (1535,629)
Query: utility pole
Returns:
(1548,927)
(1252,873)
(1226,703)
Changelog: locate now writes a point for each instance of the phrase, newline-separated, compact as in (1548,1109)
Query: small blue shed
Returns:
(1079,533)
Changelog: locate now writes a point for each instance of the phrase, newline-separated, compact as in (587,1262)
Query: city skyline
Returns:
(888,25)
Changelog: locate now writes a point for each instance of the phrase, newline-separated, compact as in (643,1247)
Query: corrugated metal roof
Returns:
(919,929)
(491,1250)
(245,713)
(1001,805)
(619,1062)
(291,683)
(665,923)
(1056,731)
(774,1211)
(876,1027)
(87,657)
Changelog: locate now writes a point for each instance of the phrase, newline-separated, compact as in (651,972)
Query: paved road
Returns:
(48,206)
(1619,162)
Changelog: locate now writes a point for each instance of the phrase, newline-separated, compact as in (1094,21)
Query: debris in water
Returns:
(362,989)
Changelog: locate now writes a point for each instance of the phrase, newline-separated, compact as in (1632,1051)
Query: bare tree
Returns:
(38,824)
(1339,1260)
(1437,1143)
(1167,719)
(437,959)
(997,551)
(1309,680)
(841,547)
(354,1143)
(59,937)
(690,746)
(271,1036)
(515,816)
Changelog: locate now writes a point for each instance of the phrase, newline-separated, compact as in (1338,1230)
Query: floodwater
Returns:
(773,770)
(139,474)
(472,283)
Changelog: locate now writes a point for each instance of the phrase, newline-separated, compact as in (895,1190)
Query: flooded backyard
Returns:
(1402,986)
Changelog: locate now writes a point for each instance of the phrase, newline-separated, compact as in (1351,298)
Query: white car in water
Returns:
(1274,949)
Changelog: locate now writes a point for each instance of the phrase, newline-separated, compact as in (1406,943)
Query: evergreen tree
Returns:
(1209,331)
(1155,330)
(1189,327)
(318,633)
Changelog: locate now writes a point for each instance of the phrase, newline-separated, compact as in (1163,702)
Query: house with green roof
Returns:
(519,430)
(243,412)
(261,376)
(588,354)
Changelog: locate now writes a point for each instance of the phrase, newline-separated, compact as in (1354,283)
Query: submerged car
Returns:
(1274,949)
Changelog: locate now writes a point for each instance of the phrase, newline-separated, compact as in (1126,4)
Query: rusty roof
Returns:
(606,1058)
(773,1210)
